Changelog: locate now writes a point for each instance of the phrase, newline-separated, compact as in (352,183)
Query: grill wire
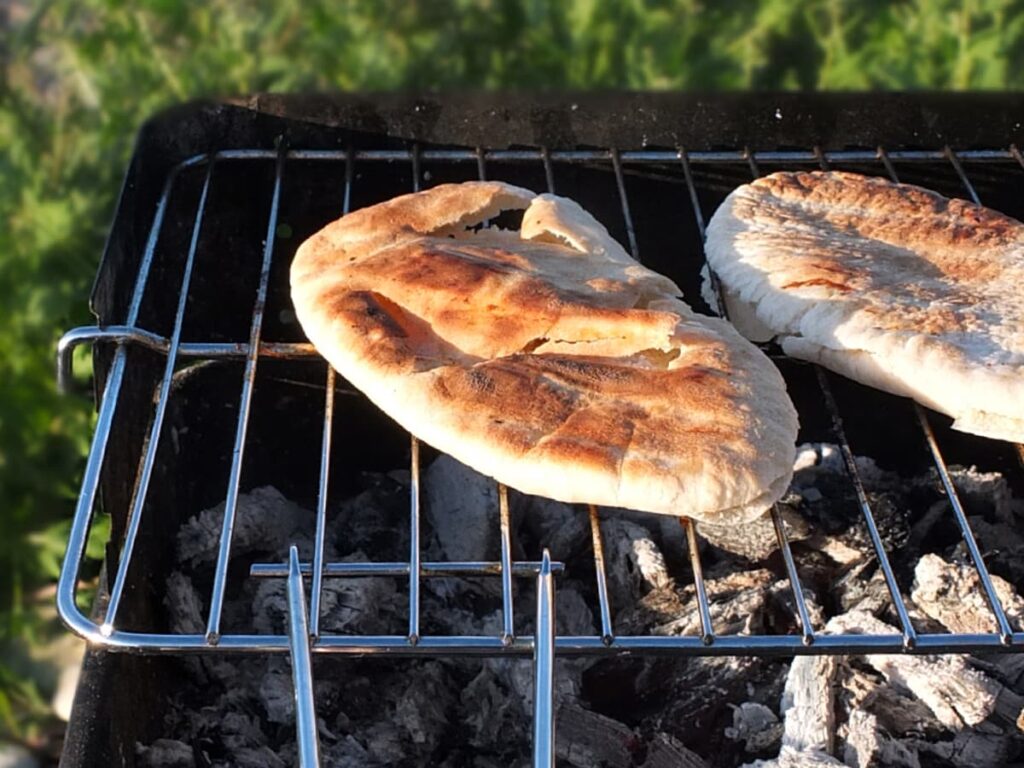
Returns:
(304,634)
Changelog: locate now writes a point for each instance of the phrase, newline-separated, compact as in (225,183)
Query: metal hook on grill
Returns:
(302,666)
(544,668)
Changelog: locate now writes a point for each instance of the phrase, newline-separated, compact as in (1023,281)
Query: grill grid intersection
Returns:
(544,646)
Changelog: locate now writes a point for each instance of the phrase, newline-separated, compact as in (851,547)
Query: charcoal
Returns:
(375,520)
(970,749)
(240,731)
(561,528)
(952,595)
(366,605)
(262,517)
(422,709)
(572,613)
(863,588)
(277,692)
(491,715)
(867,744)
(462,506)
(634,562)
(690,699)
(986,494)
(346,752)
(248,757)
(162,753)
(586,739)
(1003,547)
(630,711)
(896,710)
(665,751)
(756,539)
(755,725)
(738,603)
(184,606)
(790,757)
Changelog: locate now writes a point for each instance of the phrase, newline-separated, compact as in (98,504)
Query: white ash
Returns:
(807,705)
(956,693)
(755,725)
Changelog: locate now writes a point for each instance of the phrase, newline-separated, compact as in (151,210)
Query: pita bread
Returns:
(546,358)
(890,284)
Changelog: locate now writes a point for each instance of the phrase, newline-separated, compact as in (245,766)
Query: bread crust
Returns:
(890,284)
(545,358)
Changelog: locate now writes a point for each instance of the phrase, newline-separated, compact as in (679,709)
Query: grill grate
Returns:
(305,635)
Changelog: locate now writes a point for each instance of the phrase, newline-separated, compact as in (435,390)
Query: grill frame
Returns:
(119,338)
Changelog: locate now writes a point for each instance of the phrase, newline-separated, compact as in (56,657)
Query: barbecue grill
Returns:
(206,386)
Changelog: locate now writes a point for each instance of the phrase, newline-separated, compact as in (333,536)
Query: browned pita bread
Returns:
(546,358)
(890,284)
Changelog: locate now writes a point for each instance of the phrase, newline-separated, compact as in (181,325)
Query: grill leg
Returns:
(302,666)
(544,669)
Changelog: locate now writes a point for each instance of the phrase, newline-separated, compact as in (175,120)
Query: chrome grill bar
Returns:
(899,605)
(707,636)
(620,184)
(955,162)
(505,535)
(807,629)
(799,600)
(544,669)
(316,591)
(549,173)
(68,582)
(640,156)
(445,569)
(231,504)
(414,541)
(607,633)
(152,440)
(909,634)
(302,666)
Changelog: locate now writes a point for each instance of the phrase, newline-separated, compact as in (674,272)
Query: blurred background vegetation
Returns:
(79,76)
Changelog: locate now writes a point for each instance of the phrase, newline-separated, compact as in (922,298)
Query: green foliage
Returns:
(80,75)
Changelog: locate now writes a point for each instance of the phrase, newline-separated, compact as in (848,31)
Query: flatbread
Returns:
(546,358)
(890,284)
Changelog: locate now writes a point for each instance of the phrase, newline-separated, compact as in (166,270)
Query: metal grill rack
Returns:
(305,636)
